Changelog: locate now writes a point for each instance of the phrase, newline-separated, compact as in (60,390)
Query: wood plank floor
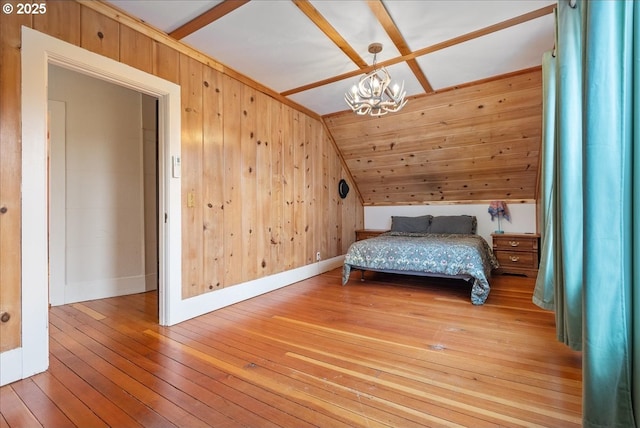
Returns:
(393,351)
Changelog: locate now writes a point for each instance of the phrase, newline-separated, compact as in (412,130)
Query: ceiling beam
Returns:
(213,14)
(316,17)
(430,49)
(382,15)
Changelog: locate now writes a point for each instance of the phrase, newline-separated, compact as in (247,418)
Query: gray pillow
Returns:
(464,224)
(411,224)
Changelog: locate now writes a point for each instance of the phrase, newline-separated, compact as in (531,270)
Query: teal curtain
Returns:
(559,282)
(611,79)
(568,259)
(635,214)
(544,290)
(590,271)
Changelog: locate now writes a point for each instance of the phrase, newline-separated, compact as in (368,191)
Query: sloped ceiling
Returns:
(311,52)
(474,143)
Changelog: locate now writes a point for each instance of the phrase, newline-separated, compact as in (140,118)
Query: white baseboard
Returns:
(151,282)
(11,362)
(199,305)
(104,288)
(10,366)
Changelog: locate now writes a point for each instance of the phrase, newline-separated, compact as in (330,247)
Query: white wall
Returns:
(523,216)
(105,234)
(150,156)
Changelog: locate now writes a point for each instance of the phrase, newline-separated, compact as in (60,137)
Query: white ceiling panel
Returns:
(165,15)
(276,44)
(505,51)
(325,99)
(357,24)
(426,23)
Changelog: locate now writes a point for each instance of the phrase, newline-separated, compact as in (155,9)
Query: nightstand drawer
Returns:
(517,253)
(510,259)
(515,243)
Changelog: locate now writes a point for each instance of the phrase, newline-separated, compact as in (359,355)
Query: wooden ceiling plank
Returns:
(488,186)
(440,134)
(461,199)
(493,157)
(488,164)
(382,15)
(450,198)
(436,127)
(434,136)
(460,149)
(481,154)
(430,49)
(477,180)
(452,202)
(431,151)
(470,144)
(458,176)
(436,111)
(428,192)
(212,15)
(441,170)
(316,17)
(516,180)
(476,184)
(518,80)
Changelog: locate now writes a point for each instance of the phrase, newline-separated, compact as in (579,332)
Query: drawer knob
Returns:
(514,243)
(514,259)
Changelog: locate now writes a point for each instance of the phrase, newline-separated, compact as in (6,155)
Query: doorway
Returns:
(103,210)
(37,51)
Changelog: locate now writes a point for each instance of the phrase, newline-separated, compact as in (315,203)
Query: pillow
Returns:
(465,224)
(411,224)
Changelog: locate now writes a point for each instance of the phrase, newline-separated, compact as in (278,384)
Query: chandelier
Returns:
(372,95)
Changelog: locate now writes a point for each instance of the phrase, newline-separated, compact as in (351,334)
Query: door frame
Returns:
(38,51)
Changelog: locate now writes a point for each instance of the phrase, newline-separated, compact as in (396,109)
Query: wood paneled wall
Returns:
(259,179)
(470,144)
(10,171)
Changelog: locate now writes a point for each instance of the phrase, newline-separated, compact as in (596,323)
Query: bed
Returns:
(433,246)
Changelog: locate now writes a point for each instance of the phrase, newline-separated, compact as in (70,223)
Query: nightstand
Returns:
(517,253)
(368,233)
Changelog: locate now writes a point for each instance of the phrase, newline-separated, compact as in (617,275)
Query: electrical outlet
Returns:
(318,256)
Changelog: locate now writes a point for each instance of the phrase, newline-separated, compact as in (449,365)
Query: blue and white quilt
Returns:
(469,256)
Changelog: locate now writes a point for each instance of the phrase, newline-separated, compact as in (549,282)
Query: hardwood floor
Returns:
(393,351)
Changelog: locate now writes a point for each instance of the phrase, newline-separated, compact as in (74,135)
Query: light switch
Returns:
(177,167)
